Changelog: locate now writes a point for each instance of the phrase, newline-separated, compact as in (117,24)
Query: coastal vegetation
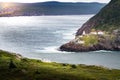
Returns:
(15,67)
(108,19)
(90,40)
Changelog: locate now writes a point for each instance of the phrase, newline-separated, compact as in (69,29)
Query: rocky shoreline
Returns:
(93,42)
(71,47)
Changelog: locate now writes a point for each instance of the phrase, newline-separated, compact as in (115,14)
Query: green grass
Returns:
(90,40)
(108,19)
(30,69)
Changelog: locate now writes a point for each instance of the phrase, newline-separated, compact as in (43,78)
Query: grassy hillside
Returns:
(108,19)
(14,67)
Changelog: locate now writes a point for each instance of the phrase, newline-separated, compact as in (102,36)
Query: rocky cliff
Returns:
(107,21)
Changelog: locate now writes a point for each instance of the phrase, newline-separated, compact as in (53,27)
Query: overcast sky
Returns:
(30,1)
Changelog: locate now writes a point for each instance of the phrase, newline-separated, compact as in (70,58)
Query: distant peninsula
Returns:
(101,32)
(49,8)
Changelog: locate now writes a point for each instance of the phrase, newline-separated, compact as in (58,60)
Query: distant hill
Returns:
(51,8)
(108,19)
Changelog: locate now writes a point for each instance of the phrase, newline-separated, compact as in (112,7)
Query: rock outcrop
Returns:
(107,20)
(70,47)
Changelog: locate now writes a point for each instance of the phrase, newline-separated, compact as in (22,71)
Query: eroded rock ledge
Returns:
(71,47)
(93,42)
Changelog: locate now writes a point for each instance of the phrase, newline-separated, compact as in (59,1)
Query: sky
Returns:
(31,1)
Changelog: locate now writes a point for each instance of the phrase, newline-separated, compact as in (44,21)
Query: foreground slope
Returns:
(15,67)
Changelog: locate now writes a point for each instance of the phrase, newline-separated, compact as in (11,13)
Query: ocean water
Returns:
(39,37)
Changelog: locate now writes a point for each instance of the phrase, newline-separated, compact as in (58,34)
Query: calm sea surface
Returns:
(39,37)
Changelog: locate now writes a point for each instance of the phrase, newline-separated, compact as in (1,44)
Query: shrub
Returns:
(12,65)
(90,39)
(73,66)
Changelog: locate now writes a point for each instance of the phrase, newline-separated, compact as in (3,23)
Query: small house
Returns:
(94,32)
(81,42)
(100,32)
(84,33)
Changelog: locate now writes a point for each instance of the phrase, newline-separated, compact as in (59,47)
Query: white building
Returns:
(100,33)
(83,33)
(95,33)
(81,42)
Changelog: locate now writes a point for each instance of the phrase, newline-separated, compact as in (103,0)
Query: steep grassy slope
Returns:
(108,19)
(14,67)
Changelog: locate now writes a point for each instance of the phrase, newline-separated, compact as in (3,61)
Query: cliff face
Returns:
(108,19)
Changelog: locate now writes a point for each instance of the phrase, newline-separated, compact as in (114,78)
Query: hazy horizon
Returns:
(35,1)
